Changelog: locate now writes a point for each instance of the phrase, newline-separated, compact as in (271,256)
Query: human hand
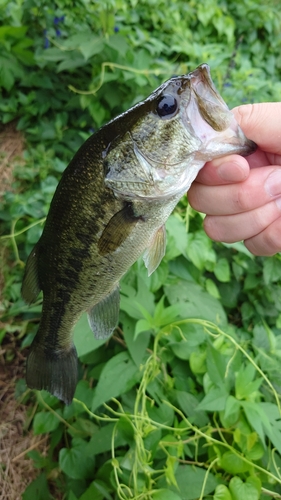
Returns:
(242,197)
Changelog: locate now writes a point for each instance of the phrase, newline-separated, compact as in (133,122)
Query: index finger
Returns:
(261,122)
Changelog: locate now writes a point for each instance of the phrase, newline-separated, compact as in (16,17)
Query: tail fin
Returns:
(54,371)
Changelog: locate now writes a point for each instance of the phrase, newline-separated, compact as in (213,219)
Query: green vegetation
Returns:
(183,402)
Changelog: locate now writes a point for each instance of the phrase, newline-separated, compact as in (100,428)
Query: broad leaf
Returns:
(84,339)
(247,490)
(74,462)
(222,493)
(45,421)
(233,464)
(190,482)
(215,400)
(118,376)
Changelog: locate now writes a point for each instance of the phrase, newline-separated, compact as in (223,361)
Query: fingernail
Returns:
(273,183)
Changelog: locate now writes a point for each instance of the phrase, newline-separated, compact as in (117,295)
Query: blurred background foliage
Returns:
(183,402)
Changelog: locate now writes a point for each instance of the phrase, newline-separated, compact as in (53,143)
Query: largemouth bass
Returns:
(110,208)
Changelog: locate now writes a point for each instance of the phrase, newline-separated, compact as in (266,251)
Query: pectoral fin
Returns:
(156,251)
(117,230)
(103,317)
(30,285)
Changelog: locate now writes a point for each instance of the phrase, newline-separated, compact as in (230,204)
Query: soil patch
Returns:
(16,469)
(11,148)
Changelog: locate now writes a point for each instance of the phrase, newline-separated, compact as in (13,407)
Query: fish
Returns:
(110,208)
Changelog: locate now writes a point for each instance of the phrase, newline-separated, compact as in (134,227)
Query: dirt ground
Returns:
(11,148)
(16,439)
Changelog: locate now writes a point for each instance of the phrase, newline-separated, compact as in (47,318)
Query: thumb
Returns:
(262,123)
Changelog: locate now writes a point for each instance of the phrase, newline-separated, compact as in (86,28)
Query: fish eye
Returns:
(167,106)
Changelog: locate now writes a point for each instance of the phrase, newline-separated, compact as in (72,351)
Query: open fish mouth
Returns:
(215,113)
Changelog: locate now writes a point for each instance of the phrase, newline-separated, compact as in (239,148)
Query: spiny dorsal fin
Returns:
(30,285)
(156,250)
(117,230)
(103,317)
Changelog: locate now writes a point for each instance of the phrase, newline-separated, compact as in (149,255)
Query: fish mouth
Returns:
(215,114)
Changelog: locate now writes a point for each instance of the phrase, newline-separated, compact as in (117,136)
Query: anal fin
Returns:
(156,250)
(30,285)
(103,317)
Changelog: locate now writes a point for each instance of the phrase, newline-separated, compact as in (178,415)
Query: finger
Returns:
(268,242)
(232,168)
(261,122)
(231,228)
(262,186)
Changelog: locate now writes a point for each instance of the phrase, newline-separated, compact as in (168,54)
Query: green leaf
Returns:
(271,270)
(274,431)
(190,482)
(6,78)
(189,404)
(142,326)
(212,288)
(200,250)
(222,493)
(45,421)
(84,339)
(136,345)
(247,491)
(74,462)
(118,43)
(71,496)
(164,494)
(244,384)
(195,302)
(12,31)
(233,464)
(163,414)
(231,412)
(194,336)
(197,362)
(38,489)
(71,61)
(92,493)
(91,47)
(177,236)
(222,270)
(216,365)
(257,418)
(101,441)
(118,376)
(215,400)
(256,452)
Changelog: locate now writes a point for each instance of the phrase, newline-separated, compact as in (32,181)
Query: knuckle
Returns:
(242,199)
(268,242)
(211,228)
(272,238)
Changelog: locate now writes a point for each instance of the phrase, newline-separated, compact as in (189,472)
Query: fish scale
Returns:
(110,207)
